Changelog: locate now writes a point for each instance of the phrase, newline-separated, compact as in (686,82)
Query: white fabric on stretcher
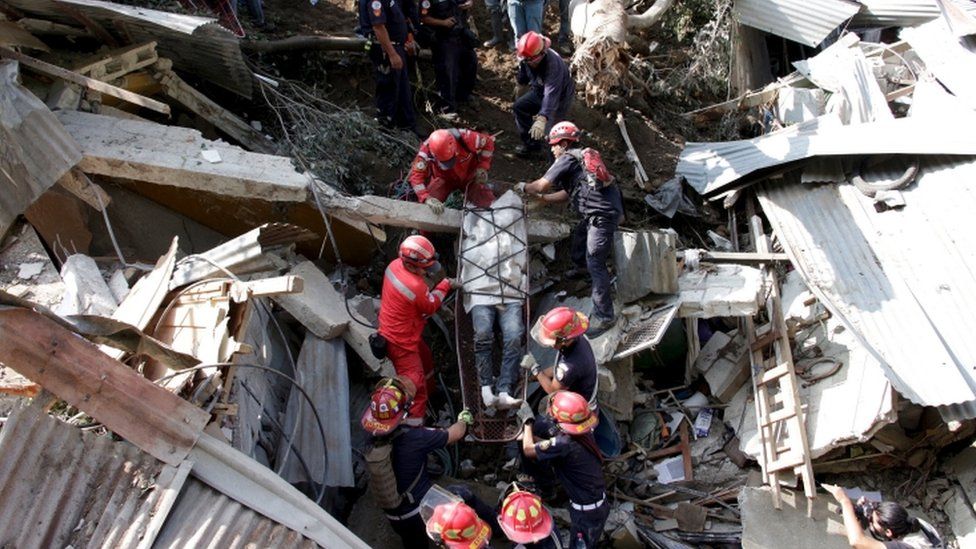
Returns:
(489,236)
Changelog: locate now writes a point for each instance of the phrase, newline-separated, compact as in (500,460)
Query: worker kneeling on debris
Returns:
(890,525)
(580,175)
(550,96)
(575,370)
(451,160)
(561,446)
(405,304)
(397,458)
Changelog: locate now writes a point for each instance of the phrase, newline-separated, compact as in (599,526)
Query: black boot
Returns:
(497,28)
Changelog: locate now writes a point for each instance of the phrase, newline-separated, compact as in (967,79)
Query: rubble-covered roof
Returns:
(902,279)
(195,44)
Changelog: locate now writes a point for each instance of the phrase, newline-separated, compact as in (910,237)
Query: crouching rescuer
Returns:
(397,458)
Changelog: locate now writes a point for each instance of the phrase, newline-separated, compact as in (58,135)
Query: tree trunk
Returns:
(328,43)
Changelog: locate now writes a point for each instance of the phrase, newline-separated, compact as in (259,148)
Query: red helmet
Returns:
(531,45)
(443,146)
(459,526)
(563,130)
(388,405)
(572,412)
(523,518)
(561,324)
(417,251)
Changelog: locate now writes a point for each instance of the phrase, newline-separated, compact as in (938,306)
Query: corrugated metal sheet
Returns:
(206,519)
(804,21)
(903,280)
(35,149)
(60,487)
(711,167)
(197,45)
(903,13)
(323,373)
(950,59)
(849,75)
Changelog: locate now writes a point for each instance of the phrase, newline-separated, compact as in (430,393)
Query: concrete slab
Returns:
(87,292)
(764,526)
(720,290)
(962,517)
(645,262)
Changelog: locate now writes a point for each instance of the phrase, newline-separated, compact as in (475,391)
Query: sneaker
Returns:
(487,396)
(600,325)
(505,401)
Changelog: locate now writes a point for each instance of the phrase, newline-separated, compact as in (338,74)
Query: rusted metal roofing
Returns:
(807,21)
(204,518)
(35,149)
(195,44)
(60,487)
(904,281)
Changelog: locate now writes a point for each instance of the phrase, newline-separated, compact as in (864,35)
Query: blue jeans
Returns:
(592,243)
(526,15)
(512,323)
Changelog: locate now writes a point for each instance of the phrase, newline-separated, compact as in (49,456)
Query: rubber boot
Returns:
(497,29)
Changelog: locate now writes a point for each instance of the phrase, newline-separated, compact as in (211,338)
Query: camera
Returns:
(864,510)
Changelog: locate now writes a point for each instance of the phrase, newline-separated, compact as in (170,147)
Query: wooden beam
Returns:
(322,43)
(90,83)
(160,423)
(112,65)
(77,183)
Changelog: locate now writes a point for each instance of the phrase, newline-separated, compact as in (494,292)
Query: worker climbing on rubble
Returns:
(405,304)
(397,458)
(890,525)
(444,24)
(580,176)
(561,447)
(575,368)
(453,159)
(385,25)
(551,94)
(521,515)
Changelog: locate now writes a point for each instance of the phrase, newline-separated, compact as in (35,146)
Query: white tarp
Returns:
(493,253)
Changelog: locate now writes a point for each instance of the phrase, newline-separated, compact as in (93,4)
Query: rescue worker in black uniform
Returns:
(383,419)
(455,61)
(386,23)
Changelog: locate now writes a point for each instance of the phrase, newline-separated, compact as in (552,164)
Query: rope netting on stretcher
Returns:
(490,425)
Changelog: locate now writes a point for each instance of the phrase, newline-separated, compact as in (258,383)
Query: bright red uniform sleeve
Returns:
(429,303)
(420,172)
(483,145)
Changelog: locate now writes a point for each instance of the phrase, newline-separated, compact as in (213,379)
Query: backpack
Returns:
(595,172)
(382,479)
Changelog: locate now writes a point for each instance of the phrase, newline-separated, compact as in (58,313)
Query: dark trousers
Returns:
(526,107)
(412,532)
(588,525)
(591,246)
(455,70)
(394,98)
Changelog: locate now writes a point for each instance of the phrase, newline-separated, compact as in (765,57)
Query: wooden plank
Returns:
(775,373)
(77,183)
(278,285)
(111,65)
(69,366)
(748,258)
(90,83)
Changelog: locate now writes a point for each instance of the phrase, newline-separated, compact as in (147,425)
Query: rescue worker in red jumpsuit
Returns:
(405,305)
(453,159)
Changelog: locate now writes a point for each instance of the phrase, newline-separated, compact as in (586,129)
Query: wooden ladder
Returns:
(779,414)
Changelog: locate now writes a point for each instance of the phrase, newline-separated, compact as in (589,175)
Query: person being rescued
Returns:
(453,159)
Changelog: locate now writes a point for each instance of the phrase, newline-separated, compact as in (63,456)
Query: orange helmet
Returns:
(561,324)
(388,405)
(417,251)
(443,146)
(523,518)
(459,526)
(563,130)
(572,412)
(531,45)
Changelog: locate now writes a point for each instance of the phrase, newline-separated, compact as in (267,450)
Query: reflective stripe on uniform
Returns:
(399,285)
(420,187)
(438,293)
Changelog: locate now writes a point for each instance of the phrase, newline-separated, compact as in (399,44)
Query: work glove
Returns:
(525,414)
(529,363)
(520,187)
(481,176)
(538,129)
(435,205)
(454,283)
(466,417)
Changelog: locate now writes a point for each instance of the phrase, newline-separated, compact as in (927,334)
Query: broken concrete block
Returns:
(118,285)
(626,537)
(645,262)
(87,293)
(764,526)
(962,517)
(729,368)
(319,307)
(709,352)
(722,290)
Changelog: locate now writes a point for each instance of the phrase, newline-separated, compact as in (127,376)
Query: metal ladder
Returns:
(779,414)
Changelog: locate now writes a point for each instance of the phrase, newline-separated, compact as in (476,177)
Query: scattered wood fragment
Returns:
(77,183)
(639,173)
(90,83)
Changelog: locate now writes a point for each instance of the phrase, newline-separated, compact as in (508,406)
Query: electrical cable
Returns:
(108,225)
(318,419)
